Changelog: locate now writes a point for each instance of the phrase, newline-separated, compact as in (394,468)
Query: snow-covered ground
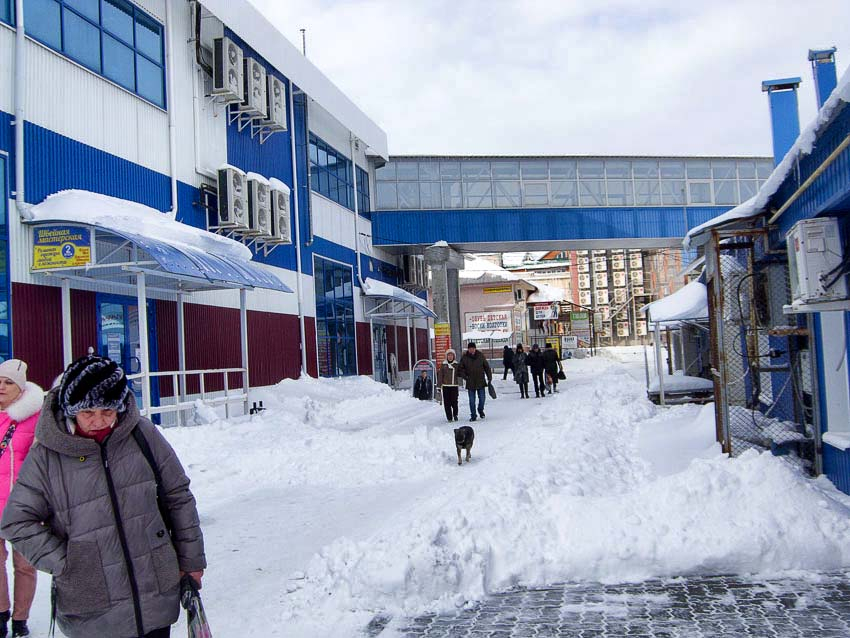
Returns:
(345,500)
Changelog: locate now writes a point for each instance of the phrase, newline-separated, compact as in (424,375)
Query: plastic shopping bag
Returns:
(196,618)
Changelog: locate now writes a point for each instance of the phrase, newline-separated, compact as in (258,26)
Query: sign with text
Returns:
(544,311)
(60,247)
(498,320)
(442,341)
(493,290)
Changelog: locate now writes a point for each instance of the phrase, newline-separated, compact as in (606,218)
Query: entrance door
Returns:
(118,339)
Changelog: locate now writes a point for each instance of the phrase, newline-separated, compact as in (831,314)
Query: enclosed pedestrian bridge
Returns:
(507,204)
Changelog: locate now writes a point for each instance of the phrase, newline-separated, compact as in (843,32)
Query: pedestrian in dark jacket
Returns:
(423,389)
(536,365)
(521,371)
(475,371)
(507,361)
(85,510)
(448,381)
(552,365)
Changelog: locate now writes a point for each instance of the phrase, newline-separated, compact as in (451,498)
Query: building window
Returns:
(113,38)
(364,202)
(6,11)
(330,173)
(335,336)
(5,314)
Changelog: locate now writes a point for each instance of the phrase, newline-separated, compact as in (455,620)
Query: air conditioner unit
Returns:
(254,102)
(600,263)
(280,212)
(601,280)
(259,205)
(584,298)
(815,262)
(276,104)
(623,329)
(639,291)
(232,198)
(637,277)
(640,328)
(227,71)
(618,263)
(635,261)
(605,311)
(601,296)
(583,267)
(619,279)
(620,295)
(584,281)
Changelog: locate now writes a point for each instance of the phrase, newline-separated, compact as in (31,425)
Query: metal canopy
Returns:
(396,302)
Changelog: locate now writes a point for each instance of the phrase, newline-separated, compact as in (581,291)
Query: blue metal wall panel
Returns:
(539,224)
(836,466)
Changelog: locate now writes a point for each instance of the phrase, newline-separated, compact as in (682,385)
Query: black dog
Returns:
(464,436)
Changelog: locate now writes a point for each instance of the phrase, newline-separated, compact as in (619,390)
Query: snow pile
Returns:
(546,294)
(476,268)
(682,383)
(689,302)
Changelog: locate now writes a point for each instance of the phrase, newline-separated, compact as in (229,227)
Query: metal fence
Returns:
(761,361)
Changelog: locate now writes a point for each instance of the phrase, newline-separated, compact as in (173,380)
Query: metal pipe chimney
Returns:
(784,114)
(823,68)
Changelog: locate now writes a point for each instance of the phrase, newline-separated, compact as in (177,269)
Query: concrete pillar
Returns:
(444,263)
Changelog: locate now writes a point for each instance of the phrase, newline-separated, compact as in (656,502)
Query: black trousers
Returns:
(450,394)
(539,384)
(554,377)
(165,632)
(523,389)
(508,366)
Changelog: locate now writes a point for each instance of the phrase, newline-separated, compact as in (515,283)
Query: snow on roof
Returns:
(253,27)
(84,207)
(478,268)
(682,383)
(545,294)
(689,302)
(803,146)
(278,185)
(375,288)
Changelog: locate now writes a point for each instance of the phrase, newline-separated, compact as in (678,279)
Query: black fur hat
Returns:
(93,382)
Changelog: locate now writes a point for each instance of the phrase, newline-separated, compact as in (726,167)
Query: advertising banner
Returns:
(544,311)
(442,341)
(498,320)
(493,290)
(56,247)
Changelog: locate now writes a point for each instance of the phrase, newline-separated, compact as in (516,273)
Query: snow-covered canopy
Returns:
(545,294)
(111,213)
(375,288)
(803,146)
(483,271)
(689,302)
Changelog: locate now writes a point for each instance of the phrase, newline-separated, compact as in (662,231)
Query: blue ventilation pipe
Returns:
(784,114)
(823,68)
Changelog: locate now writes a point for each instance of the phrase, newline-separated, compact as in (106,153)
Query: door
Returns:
(119,339)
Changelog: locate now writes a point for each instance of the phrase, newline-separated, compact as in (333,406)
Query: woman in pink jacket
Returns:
(20,406)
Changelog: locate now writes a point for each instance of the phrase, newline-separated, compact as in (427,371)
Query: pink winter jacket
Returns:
(24,412)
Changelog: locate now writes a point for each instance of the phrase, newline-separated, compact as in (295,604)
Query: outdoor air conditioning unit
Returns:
(583,267)
(816,262)
(620,296)
(601,296)
(584,281)
(227,70)
(259,205)
(640,328)
(600,263)
(280,212)
(276,104)
(584,298)
(232,198)
(623,329)
(415,271)
(618,262)
(638,291)
(635,261)
(605,311)
(619,279)
(254,102)
(601,280)
(637,277)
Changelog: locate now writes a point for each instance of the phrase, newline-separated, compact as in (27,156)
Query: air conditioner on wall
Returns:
(280,213)
(584,298)
(259,206)
(601,296)
(619,279)
(601,280)
(622,329)
(254,102)
(232,198)
(816,263)
(227,71)
(584,281)
(620,295)
(618,262)
(276,104)
(637,277)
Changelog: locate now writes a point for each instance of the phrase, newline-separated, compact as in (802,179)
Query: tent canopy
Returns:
(689,302)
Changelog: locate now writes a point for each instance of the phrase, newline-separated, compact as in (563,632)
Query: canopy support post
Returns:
(243,333)
(415,342)
(409,353)
(372,342)
(144,355)
(181,356)
(67,344)
(659,365)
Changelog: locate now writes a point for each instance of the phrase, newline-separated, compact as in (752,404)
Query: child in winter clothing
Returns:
(20,406)
(447,381)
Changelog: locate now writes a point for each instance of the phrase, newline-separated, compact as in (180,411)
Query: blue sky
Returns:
(570,77)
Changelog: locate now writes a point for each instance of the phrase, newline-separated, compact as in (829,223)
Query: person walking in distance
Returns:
(447,381)
(536,365)
(552,365)
(507,361)
(521,371)
(477,375)
(20,406)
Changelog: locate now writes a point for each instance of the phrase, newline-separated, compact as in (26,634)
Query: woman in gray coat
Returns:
(85,510)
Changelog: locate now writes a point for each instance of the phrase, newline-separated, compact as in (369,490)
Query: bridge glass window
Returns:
(591,169)
(564,193)
(620,192)
(479,194)
(748,188)
(562,169)
(645,169)
(475,170)
(408,195)
(726,191)
(450,170)
(505,170)
(723,169)
(429,171)
(535,169)
(765,168)
(452,195)
(429,195)
(507,194)
(672,169)
(591,192)
(618,169)
(647,192)
(386,173)
(746,169)
(387,195)
(700,192)
(672,192)
(699,169)
(535,194)
(407,170)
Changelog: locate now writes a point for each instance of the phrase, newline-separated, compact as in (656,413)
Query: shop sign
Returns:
(544,311)
(569,343)
(494,290)
(442,341)
(488,321)
(580,320)
(57,247)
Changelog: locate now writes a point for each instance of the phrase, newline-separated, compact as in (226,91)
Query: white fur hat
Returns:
(16,370)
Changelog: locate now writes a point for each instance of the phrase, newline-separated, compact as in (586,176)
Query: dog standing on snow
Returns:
(464,436)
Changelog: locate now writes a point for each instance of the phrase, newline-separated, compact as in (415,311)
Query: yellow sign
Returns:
(491,290)
(442,329)
(61,247)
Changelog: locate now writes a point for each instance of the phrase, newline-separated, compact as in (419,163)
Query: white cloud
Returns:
(569,76)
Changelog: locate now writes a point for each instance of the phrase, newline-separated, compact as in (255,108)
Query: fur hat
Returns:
(93,382)
(452,350)
(16,370)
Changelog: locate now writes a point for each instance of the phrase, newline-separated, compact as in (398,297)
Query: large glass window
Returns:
(479,194)
(647,192)
(113,38)
(408,194)
(452,195)
(591,169)
(535,194)
(700,192)
(505,170)
(330,174)
(335,336)
(725,191)
(429,195)
(534,169)
(748,188)
(475,170)
(6,11)
(387,195)
(429,171)
(620,192)
(507,194)
(672,169)
(364,201)
(562,169)
(672,192)
(564,193)
(591,192)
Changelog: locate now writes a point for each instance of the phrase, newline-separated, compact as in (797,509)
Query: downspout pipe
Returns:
(196,98)
(20,87)
(352,140)
(172,124)
(298,284)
